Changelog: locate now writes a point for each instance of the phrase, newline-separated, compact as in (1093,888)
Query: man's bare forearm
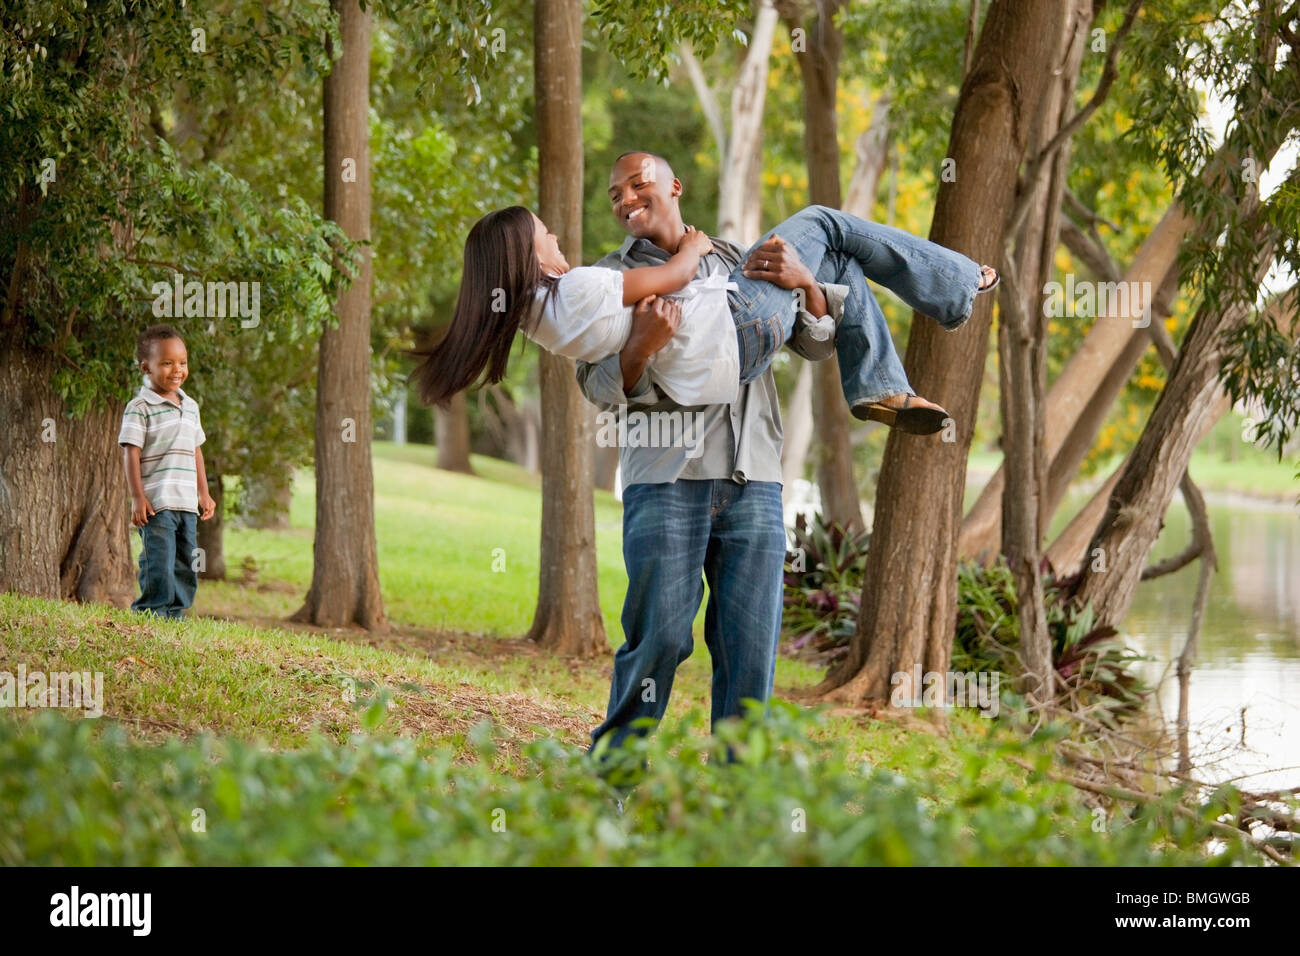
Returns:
(632,362)
(814,300)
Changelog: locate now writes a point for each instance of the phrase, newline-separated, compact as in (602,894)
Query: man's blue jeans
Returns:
(675,536)
(838,247)
(167,577)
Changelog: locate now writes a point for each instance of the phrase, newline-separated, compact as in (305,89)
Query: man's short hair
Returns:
(644,152)
(155,333)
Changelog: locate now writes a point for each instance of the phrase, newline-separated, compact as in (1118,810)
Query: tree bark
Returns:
(345,573)
(1069,552)
(909,593)
(211,533)
(65,511)
(1111,341)
(451,435)
(568,619)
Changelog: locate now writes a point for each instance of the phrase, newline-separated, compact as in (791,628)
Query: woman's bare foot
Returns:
(988,278)
(908,413)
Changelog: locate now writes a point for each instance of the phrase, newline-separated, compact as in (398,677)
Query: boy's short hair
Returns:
(155,333)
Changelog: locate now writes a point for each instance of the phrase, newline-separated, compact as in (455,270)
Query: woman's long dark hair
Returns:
(498,289)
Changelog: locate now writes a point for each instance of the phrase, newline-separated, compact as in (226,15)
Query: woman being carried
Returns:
(515,278)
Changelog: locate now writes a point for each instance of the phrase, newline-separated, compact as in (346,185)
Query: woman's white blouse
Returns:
(586,320)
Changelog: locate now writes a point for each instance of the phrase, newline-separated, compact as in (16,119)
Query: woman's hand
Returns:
(695,241)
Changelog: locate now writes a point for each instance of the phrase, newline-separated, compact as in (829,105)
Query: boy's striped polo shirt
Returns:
(167,435)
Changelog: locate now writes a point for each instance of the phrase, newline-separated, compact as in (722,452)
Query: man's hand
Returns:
(207,506)
(776,261)
(141,510)
(654,321)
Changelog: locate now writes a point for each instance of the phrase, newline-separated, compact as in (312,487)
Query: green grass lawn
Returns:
(438,535)
(238,667)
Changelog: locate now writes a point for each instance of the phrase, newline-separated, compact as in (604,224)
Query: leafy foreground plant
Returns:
(70,795)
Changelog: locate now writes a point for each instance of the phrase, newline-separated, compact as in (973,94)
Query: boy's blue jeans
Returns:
(167,577)
(838,247)
(675,536)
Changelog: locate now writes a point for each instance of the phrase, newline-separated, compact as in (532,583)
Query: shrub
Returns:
(72,795)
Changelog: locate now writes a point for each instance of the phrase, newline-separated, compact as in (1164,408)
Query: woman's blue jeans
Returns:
(838,247)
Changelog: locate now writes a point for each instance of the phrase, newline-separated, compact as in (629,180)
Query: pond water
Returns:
(1248,662)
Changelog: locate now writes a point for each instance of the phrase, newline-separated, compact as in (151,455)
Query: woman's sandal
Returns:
(913,419)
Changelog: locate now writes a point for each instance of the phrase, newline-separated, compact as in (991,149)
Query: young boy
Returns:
(160,440)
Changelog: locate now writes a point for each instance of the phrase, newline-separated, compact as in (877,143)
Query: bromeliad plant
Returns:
(823,584)
(1095,668)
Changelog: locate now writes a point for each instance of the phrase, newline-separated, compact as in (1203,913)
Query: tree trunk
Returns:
(451,435)
(266,500)
(819,65)
(1100,360)
(909,593)
(65,529)
(1023,364)
(211,533)
(872,150)
(345,575)
(1069,552)
(568,619)
(1136,508)
(747,99)
(833,448)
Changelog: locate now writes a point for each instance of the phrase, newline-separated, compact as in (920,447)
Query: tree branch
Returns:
(1080,210)
(1108,75)
(1087,247)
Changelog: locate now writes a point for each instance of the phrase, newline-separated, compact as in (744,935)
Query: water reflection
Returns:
(1248,665)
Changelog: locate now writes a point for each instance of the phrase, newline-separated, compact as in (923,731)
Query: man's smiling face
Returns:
(643,195)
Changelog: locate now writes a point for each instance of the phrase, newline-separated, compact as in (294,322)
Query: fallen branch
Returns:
(1134,796)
